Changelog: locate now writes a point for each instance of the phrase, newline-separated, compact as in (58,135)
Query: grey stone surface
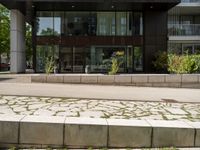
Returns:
(119,79)
(191,78)
(85,132)
(89,79)
(106,79)
(176,78)
(54,79)
(129,133)
(9,126)
(139,79)
(39,78)
(196,125)
(191,85)
(156,78)
(72,79)
(42,130)
(17,42)
(172,133)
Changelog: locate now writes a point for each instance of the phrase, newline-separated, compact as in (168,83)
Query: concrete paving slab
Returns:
(100,92)
(85,132)
(172,133)
(129,133)
(42,130)
(9,127)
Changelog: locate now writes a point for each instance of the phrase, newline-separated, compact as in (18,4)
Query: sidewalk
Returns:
(101,92)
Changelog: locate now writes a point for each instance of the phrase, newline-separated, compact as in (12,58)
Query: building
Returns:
(81,33)
(184,27)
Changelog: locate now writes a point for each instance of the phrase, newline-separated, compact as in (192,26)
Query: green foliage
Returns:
(160,62)
(4,30)
(180,64)
(183,63)
(49,65)
(117,60)
(114,66)
(29,50)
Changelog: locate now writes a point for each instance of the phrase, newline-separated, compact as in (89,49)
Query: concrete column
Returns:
(17,42)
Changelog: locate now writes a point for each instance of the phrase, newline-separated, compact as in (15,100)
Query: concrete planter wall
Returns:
(148,80)
(43,132)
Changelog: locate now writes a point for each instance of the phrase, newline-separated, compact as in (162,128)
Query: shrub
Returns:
(116,61)
(160,62)
(114,66)
(183,63)
(177,63)
(49,65)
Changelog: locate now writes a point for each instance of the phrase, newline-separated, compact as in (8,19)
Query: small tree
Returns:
(49,65)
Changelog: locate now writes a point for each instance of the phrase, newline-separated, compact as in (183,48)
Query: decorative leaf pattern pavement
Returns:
(69,107)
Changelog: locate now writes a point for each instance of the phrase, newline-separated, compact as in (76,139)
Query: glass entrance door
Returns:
(73,59)
(66,61)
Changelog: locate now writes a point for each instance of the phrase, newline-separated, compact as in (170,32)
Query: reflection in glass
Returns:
(45,23)
(105,23)
(137,24)
(101,58)
(76,23)
(138,59)
(66,59)
(121,23)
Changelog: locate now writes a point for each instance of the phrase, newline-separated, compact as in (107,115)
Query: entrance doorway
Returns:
(72,59)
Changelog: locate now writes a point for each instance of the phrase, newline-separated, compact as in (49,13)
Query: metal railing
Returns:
(183,29)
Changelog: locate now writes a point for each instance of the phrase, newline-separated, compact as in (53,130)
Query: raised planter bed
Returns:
(148,80)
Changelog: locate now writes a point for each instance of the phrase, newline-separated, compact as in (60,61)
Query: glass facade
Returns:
(89,23)
(184,48)
(73,58)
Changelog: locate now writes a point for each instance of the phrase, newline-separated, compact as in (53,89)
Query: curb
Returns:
(56,132)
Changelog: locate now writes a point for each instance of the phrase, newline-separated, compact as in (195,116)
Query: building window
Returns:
(45,23)
(89,23)
(106,23)
(184,48)
(77,23)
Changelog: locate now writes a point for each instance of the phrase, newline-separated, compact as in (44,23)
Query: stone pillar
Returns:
(17,42)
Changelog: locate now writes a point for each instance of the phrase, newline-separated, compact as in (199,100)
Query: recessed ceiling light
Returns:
(151,7)
(112,6)
(73,6)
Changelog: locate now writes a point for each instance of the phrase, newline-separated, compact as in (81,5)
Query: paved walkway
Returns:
(68,107)
(101,92)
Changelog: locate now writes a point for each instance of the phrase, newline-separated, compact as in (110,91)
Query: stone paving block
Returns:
(156,78)
(105,79)
(191,78)
(176,78)
(196,125)
(89,79)
(72,79)
(54,78)
(172,133)
(129,133)
(119,79)
(42,130)
(85,132)
(39,78)
(190,85)
(9,125)
(139,79)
